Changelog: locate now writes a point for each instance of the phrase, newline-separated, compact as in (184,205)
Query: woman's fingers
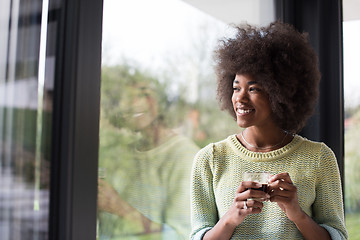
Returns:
(246,204)
(254,204)
(282,193)
(282,189)
(246,185)
(251,193)
(282,185)
(284,177)
(249,189)
(280,199)
(249,206)
(248,198)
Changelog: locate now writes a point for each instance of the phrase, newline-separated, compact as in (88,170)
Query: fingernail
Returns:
(258,185)
(267,196)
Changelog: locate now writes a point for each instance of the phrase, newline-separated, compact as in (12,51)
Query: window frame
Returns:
(75,128)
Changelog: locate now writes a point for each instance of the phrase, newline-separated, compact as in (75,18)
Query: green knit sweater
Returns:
(217,173)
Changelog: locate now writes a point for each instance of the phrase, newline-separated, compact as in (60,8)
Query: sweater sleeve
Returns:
(328,209)
(204,213)
(178,198)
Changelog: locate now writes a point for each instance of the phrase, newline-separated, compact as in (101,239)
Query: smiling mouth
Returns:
(244,111)
(136,115)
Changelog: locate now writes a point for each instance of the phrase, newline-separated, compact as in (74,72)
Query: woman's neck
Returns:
(264,140)
(153,136)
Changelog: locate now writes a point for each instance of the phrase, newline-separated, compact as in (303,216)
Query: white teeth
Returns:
(242,111)
(138,115)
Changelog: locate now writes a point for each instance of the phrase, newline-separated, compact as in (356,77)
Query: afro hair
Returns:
(281,60)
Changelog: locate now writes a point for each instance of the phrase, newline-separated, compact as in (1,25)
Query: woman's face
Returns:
(251,103)
(139,106)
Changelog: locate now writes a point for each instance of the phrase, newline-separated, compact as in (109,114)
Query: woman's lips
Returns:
(242,112)
(136,115)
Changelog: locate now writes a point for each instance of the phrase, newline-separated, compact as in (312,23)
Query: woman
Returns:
(268,80)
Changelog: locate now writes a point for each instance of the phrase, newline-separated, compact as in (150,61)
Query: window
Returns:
(158,108)
(351,39)
(26,87)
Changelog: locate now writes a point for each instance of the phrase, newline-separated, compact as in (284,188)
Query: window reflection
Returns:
(158,108)
(25,117)
(145,188)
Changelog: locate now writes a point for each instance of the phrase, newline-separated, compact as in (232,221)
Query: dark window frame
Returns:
(76,121)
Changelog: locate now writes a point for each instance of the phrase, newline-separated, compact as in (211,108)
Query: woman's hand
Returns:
(284,192)
(110,201)
(240,208)
(244,202)
(108,197)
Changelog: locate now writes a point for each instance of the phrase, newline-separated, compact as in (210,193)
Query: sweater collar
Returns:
(264,156)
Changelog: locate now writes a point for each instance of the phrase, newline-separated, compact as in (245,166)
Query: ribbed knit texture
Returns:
(217,173)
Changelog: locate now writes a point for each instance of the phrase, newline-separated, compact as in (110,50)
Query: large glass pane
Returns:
(158,108)
(26,86)
(351,36)
(351,33)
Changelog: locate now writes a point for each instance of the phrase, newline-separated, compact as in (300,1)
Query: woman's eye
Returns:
(254,89)
(235,89)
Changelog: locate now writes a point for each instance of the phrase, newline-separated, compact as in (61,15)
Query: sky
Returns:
(148,30)
(163,37)
(351,41)
(153,31)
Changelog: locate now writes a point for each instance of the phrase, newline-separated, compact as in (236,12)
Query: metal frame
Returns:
(76,121)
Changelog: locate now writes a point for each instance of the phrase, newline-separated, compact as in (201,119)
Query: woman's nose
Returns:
(242,96)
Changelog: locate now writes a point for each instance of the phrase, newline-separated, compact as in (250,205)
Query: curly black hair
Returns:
(281,60)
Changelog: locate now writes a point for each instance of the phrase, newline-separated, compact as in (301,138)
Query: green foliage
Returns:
(352,164)
(21,136)
(352,173)
(214,123)
(352,225)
